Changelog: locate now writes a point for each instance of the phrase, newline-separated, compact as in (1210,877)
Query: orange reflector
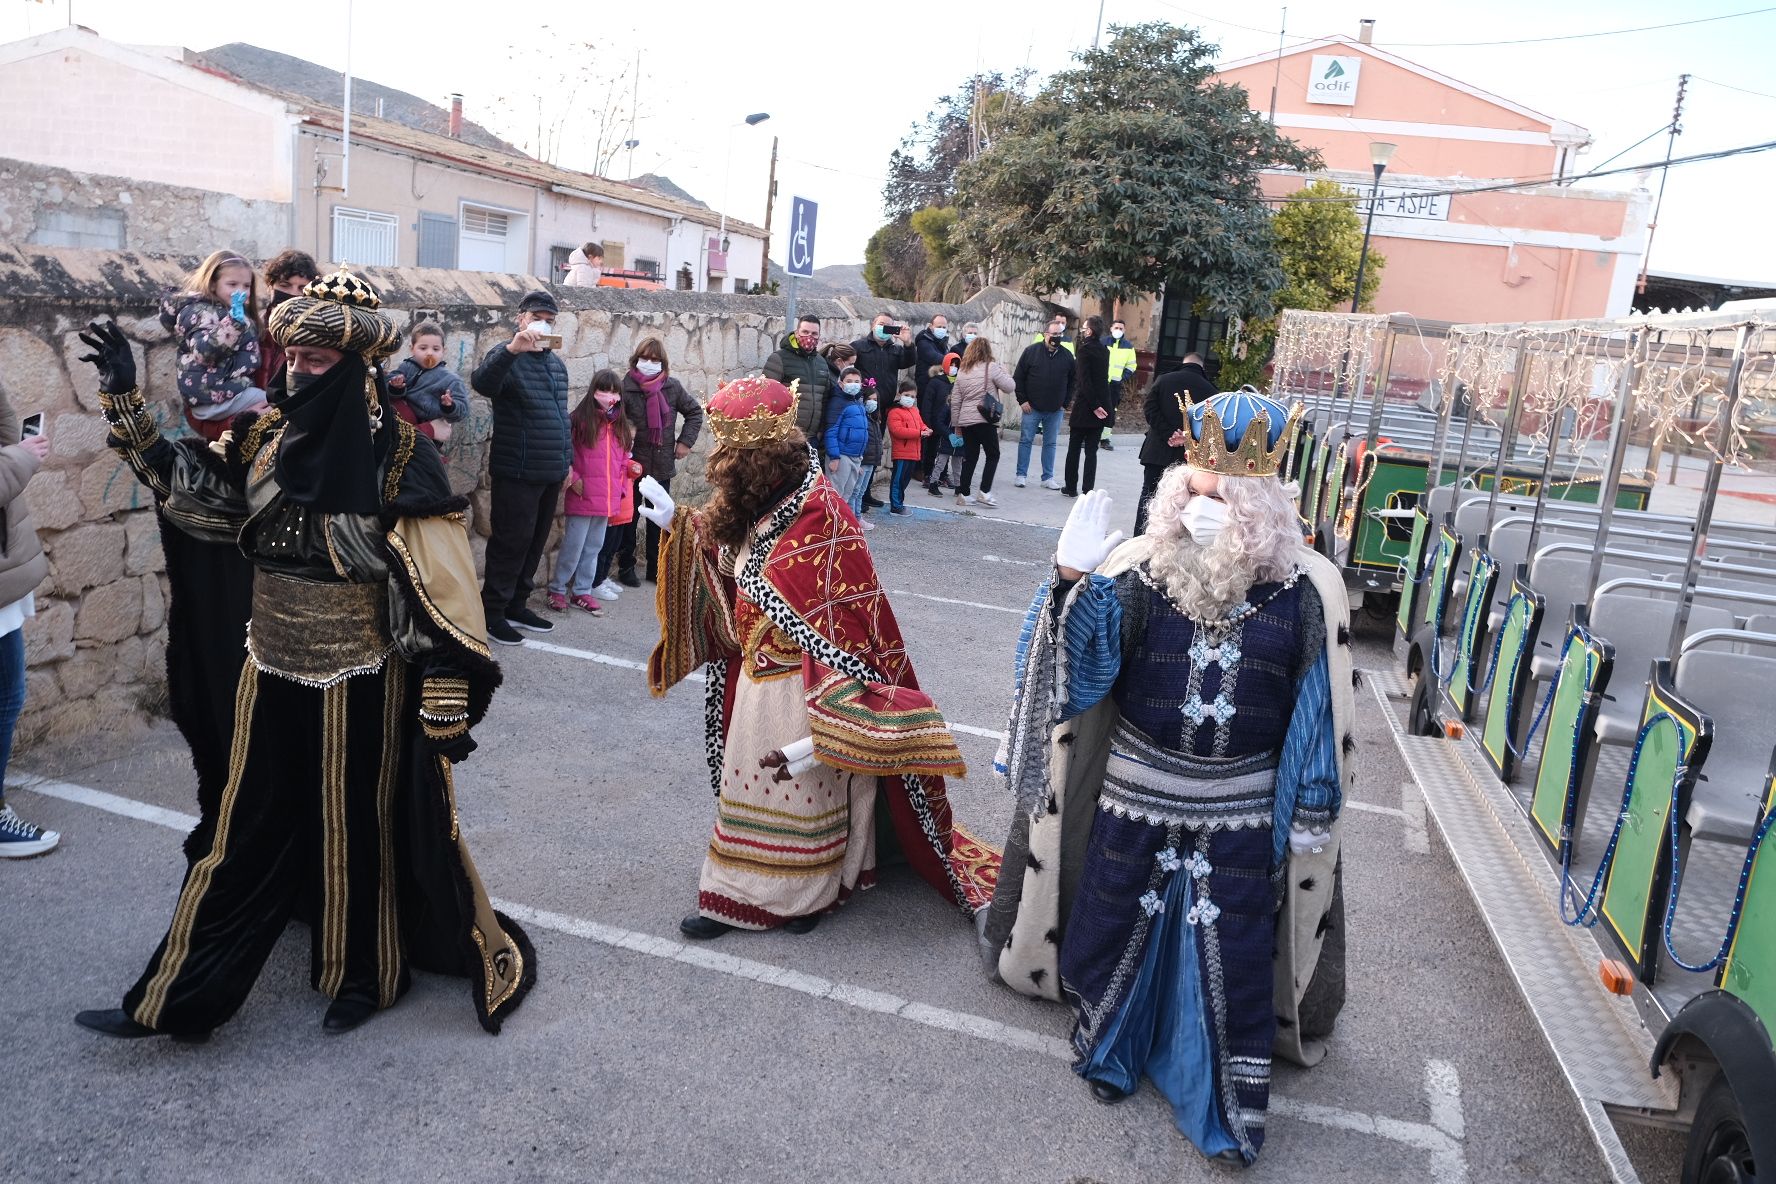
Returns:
(1453,729)
(1617,978)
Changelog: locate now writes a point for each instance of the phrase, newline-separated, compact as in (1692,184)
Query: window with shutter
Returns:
(492,223)
(613,256)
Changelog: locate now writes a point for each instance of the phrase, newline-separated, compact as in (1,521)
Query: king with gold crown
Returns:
(1179,748)
(813,717)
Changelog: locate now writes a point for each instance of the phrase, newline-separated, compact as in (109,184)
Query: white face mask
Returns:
(906,400)
(852,388)
(647,367)
(969,337)
(1116,334)
(870,406)
(1204,518)
(940,332)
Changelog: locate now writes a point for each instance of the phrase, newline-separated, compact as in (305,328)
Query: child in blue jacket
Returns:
(847,432)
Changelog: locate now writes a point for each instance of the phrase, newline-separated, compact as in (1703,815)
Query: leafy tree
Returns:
(893,260)
(922,171)
(1319,237)
(1134,170)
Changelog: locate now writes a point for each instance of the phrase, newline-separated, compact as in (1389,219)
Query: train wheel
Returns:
(1719,1150)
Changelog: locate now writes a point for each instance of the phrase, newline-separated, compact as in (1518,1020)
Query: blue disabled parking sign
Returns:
(802,213)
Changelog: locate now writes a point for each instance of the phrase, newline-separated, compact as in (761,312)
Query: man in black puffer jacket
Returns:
(799,361)
(530,454)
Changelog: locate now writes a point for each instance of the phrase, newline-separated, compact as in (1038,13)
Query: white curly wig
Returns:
(1261,542)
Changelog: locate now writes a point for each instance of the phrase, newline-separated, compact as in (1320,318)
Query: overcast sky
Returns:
(843,83)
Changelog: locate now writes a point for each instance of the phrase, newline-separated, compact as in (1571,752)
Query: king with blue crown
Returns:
(1179,748)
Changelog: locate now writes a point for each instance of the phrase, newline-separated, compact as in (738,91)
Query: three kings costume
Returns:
(1160,763)
(800,643)
(366,665)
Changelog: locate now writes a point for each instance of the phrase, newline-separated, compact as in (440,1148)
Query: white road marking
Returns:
(1442,1139)
(1371,808)
(566,651)
(1412,809)
(1014,562)
(697,675)
(98,799)
(1443,1090)
(998,608)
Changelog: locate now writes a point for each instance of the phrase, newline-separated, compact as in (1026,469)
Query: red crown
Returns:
(752,411)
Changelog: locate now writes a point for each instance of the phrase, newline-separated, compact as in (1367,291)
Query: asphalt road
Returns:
(757,1057)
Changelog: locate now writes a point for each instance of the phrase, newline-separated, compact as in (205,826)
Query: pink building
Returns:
(1541,250)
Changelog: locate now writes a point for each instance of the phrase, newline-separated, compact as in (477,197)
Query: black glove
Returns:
(111,356)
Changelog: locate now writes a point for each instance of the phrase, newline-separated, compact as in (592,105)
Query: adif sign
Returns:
(1334,80)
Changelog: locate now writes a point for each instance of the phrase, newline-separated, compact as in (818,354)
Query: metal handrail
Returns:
(1702,637)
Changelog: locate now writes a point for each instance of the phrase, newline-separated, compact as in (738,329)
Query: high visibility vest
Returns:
(1123,361)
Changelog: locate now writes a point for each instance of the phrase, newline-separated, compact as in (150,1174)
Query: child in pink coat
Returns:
(596,490)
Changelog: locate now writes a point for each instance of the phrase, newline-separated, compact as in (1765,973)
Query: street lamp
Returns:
(632,145)
(752,120)
(1379,155)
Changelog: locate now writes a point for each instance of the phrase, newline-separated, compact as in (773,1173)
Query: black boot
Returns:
(117,1023)
(700,928)
(1106,1093)
(628,578)
(802,924)
(346,1013)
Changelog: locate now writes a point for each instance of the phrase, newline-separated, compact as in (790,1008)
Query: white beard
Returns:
(1204,582)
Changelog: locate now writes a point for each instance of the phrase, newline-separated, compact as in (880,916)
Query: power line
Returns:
(1729,86)
(1701,20)
(1524,182)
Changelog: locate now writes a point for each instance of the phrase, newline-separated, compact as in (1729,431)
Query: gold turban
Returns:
(337,311)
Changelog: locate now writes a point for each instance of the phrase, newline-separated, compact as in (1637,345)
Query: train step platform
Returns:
(1597,1038)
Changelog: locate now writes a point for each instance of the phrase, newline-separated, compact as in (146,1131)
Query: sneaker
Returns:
(934,491)
(609,590)
(985,499)
(558,601)
(1051,483)
(866,525)
(628,578)
(523,618)
(962,499)
(503,633)
(897,509)
(587,604)
(19,838)
(1069,493)
(1020,482)
(1109,447)
(870,503)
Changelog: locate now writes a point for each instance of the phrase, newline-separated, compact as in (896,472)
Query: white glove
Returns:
(792,760)
(657,505)
(1087,537)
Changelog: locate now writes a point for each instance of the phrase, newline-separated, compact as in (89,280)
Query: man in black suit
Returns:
(1164,445)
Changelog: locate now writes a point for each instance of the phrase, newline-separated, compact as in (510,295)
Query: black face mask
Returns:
(278,298)
(328,458)
(297,383)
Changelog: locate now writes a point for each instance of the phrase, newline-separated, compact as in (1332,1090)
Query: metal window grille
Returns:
(650,266)
(363,237)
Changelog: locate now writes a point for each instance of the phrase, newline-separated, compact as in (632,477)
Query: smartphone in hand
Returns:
(31,426)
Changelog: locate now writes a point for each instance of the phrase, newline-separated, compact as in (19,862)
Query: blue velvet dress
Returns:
(1224,738)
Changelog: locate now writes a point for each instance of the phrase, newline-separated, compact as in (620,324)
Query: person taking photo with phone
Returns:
(22,567)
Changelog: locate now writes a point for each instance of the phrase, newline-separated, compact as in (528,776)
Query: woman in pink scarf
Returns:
(655,401)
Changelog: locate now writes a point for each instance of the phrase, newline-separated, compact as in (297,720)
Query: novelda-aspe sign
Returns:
(1334,80)
(1402,203)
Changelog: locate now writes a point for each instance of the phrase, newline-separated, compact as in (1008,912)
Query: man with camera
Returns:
(528,460)
(883,355)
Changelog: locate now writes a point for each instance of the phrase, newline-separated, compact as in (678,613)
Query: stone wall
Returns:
(95,647)
(157,218)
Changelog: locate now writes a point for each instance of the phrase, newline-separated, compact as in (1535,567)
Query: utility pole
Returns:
(1683,83)
(1100,29)
(770,202)
(1282,33)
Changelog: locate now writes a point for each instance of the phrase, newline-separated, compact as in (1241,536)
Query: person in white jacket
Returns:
(585,266)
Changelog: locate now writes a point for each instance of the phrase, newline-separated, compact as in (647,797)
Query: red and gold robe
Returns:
(801,643)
